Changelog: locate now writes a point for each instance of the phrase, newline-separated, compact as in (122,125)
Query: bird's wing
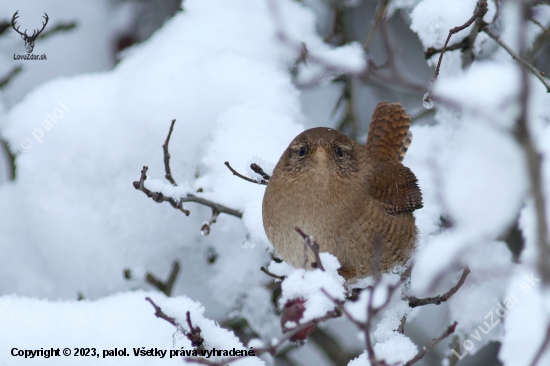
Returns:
(395,187)
(389,136)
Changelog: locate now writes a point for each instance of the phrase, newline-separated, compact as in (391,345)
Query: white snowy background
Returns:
(71,221)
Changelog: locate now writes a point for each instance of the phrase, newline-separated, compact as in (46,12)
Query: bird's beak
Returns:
(320,151)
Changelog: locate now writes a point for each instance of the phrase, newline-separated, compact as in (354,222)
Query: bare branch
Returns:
(160,314)
(266,271)
(273,349)
(13,72)
(456,46)
(157,196)
(450,330)
(205,229)
(437,300)
(372,312)
(168,174)
(517,57)
(263,181)
(542,347)
(481,9)
(57,28)
(167,286)
(258,170)
(534,160)
(378,17)
(194,333)
(177,203)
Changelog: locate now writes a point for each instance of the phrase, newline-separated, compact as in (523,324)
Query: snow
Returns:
(33,324)
(432,20)
(308,285)
(390,345)
(71,222)
(491,99)
(526,320)
(75,187)
(396,350)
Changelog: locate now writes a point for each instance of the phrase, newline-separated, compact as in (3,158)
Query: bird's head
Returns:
(321,151)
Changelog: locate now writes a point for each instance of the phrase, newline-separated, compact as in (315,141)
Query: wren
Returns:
(356,201)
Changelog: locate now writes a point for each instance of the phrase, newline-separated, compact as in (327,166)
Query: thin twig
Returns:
(12,167)
(517,57)
(59,27)
(167,286)
(6,79)
(456,46)
(546,31)
(542,347)
(481,9)
(534,160)
(157,196)
(372,312)
(266,271)
(258,170)
(205,229)
(274,348)
(336,24)
(4,26)
(263,181)
(327,64)
(177,203)
(168,174)
(379,15)
(437,300)
(450,330)
(314,248)
(194,333)
(160,314)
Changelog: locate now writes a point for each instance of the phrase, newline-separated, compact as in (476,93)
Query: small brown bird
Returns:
(356,201)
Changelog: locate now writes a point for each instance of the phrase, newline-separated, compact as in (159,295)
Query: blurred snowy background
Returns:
(77,240)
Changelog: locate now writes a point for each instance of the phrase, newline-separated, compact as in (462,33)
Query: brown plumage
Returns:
(347,196)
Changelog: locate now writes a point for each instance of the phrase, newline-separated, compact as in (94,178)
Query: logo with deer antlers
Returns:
(29,40)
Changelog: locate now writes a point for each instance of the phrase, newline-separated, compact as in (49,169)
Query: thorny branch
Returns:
(194,333)
(437,300)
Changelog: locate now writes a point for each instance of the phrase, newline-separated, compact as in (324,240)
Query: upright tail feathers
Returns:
(389,136)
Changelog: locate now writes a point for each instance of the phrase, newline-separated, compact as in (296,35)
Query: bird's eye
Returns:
(302,152)
(340,152)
